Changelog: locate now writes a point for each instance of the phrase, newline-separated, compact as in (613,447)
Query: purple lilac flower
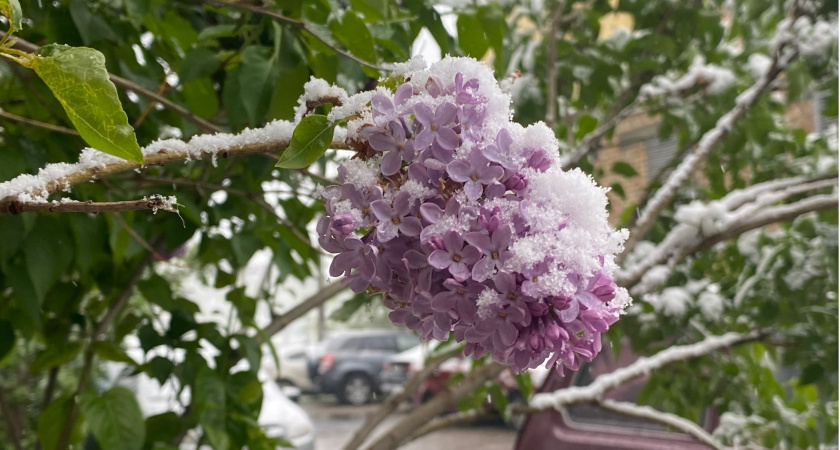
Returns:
(437,126)
(472,246)
(474,172)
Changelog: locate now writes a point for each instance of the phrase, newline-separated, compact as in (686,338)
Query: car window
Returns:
(406,341)
(380,343)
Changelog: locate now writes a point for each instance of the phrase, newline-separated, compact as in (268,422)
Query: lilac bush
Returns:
(468,226)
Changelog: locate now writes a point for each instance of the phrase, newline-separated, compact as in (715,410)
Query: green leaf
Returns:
(163,427)
(471,36)
(310,140)
(161,368)
(251,349)
(51,423)
(354,34)
(255,82)
(245,305)
(111,352)
(201,97)
(55,356)
(7,340)
(586,124)
(199,62)
(373,10)
(78,78)
(619,190)
(625,169)
(209,403)
(136,10)
(11,10)
(115,419)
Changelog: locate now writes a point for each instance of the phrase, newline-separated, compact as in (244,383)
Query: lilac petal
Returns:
(444,301)
(473,190)
(415,260)
(343,263)
(431,212)
(381,104)
(452,241)
(434,164)
(367,268)
(404,92)
(480,240)
(447,138)
(495,190)
(382,142)
(569,314)
(386,231)
(466,311)
(491,173)
(357,284)
(492,153)
(391,163)
(423,114)
(483,269)
(445,114)
(459,170)
(411,226)
(504,139)
(507,333)
(459,270)
(501,238)
(470,254)
(401,204)
(433,87)
(424,139)
(382,210)
(349,191)
(505,282)
(440,259)
(397,131)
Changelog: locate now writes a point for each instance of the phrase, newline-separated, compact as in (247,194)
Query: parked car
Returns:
(350,362)
(590,427)
(279,416)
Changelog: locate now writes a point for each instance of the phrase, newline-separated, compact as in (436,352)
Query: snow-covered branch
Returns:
(642,366)
(92,165)
(782,55)
(703,225)
(153,203)
(671,420)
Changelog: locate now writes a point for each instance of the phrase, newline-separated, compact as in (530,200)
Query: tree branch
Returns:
(394,401)
(273,138)
(154,203)
(642,366)
(27,46)
(551,64)
(671,420)
(37,123)
(279,322)
(440,403)
(712,139)
(470,415)
(295,23)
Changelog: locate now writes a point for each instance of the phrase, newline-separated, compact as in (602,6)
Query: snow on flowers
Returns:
(466,223)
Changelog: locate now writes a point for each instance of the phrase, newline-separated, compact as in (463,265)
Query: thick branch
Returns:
(27,46)
(551,64)
(153,203)
(295,23)
(390,405)
(440,403)
(642,367)
(711,140)
(671,420)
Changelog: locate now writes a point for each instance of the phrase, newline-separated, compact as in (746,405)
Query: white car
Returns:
(279,416)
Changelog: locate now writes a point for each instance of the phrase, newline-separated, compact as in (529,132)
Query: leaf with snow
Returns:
(78,78)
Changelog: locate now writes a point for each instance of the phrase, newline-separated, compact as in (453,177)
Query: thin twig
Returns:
(157,256)
(295,23)
(37,123)
(12,425)
(25,45)
(160,92)
(153,203)
(278,323)
(551,64)
(671,420)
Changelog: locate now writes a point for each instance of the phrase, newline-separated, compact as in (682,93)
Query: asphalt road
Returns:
(335,425)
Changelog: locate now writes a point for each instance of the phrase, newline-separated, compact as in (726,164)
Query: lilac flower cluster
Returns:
(467,225)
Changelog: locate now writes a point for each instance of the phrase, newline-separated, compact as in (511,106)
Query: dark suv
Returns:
(350,362)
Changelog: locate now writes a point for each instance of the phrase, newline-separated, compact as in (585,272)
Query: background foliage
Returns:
(231,67)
